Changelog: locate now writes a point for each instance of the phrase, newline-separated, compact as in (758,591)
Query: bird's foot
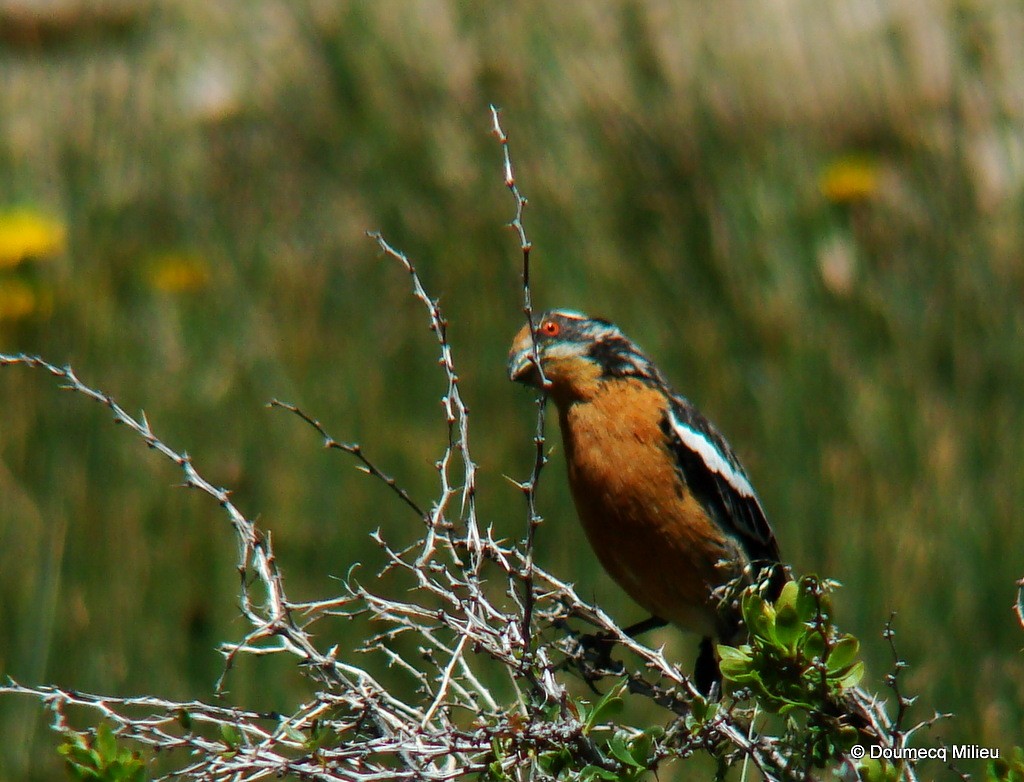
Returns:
(593,661)
(706,674)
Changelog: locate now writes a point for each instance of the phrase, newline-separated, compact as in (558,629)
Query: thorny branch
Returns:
(480,611)
(356,450)
(529,486)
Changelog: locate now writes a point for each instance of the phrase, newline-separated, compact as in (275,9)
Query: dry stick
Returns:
(894,730)
(255,549)
(892,679)
(360,692)
(259,755)
(529,487)
(352,448)
(395,721)
(457,418)
(254,546)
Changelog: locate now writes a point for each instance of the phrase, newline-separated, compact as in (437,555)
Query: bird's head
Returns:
(576,353)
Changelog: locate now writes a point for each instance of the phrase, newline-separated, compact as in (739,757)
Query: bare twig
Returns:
(272,619)
(456,417)
(892,680)
(528,487)
(352,448)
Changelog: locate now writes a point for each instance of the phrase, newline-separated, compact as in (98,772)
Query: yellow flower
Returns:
(178,273)
(849,179)
(17,300)
(26,234)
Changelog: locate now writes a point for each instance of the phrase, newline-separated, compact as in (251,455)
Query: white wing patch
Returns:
(713,459)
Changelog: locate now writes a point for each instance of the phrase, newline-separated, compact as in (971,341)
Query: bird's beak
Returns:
(521,366)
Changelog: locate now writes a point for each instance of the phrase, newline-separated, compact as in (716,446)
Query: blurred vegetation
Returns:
(809,213)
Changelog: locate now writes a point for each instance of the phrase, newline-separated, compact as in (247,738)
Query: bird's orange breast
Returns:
(649,532)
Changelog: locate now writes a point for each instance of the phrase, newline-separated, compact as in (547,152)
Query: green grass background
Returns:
(859,340)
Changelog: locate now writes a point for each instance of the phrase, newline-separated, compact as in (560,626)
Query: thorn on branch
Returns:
(355,449)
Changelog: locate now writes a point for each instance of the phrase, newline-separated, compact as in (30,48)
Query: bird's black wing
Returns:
(717,479)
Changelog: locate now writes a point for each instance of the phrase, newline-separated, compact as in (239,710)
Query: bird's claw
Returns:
(593,659)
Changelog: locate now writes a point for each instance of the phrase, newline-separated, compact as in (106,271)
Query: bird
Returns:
(663,499)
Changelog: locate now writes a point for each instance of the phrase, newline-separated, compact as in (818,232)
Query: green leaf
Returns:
(105,744)
(701,708)
(1006,769)
(825,605)
(784,707)
(622,753)
(81,772)
(553,763)
(80,756)
(843,653)
(185,719)
(788,596)
(231,734)
(497,750)
(610,705)
(596,772)
(813,645)
(846,737)
(606,709)
(871,770)
(319,735)
(759,616)
(73,739)
(788,627)
(852,677)
(735,663)
(806,602)
(581,709)
(640,748)
(816,598)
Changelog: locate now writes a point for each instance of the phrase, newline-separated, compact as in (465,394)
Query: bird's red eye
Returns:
(550,328)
